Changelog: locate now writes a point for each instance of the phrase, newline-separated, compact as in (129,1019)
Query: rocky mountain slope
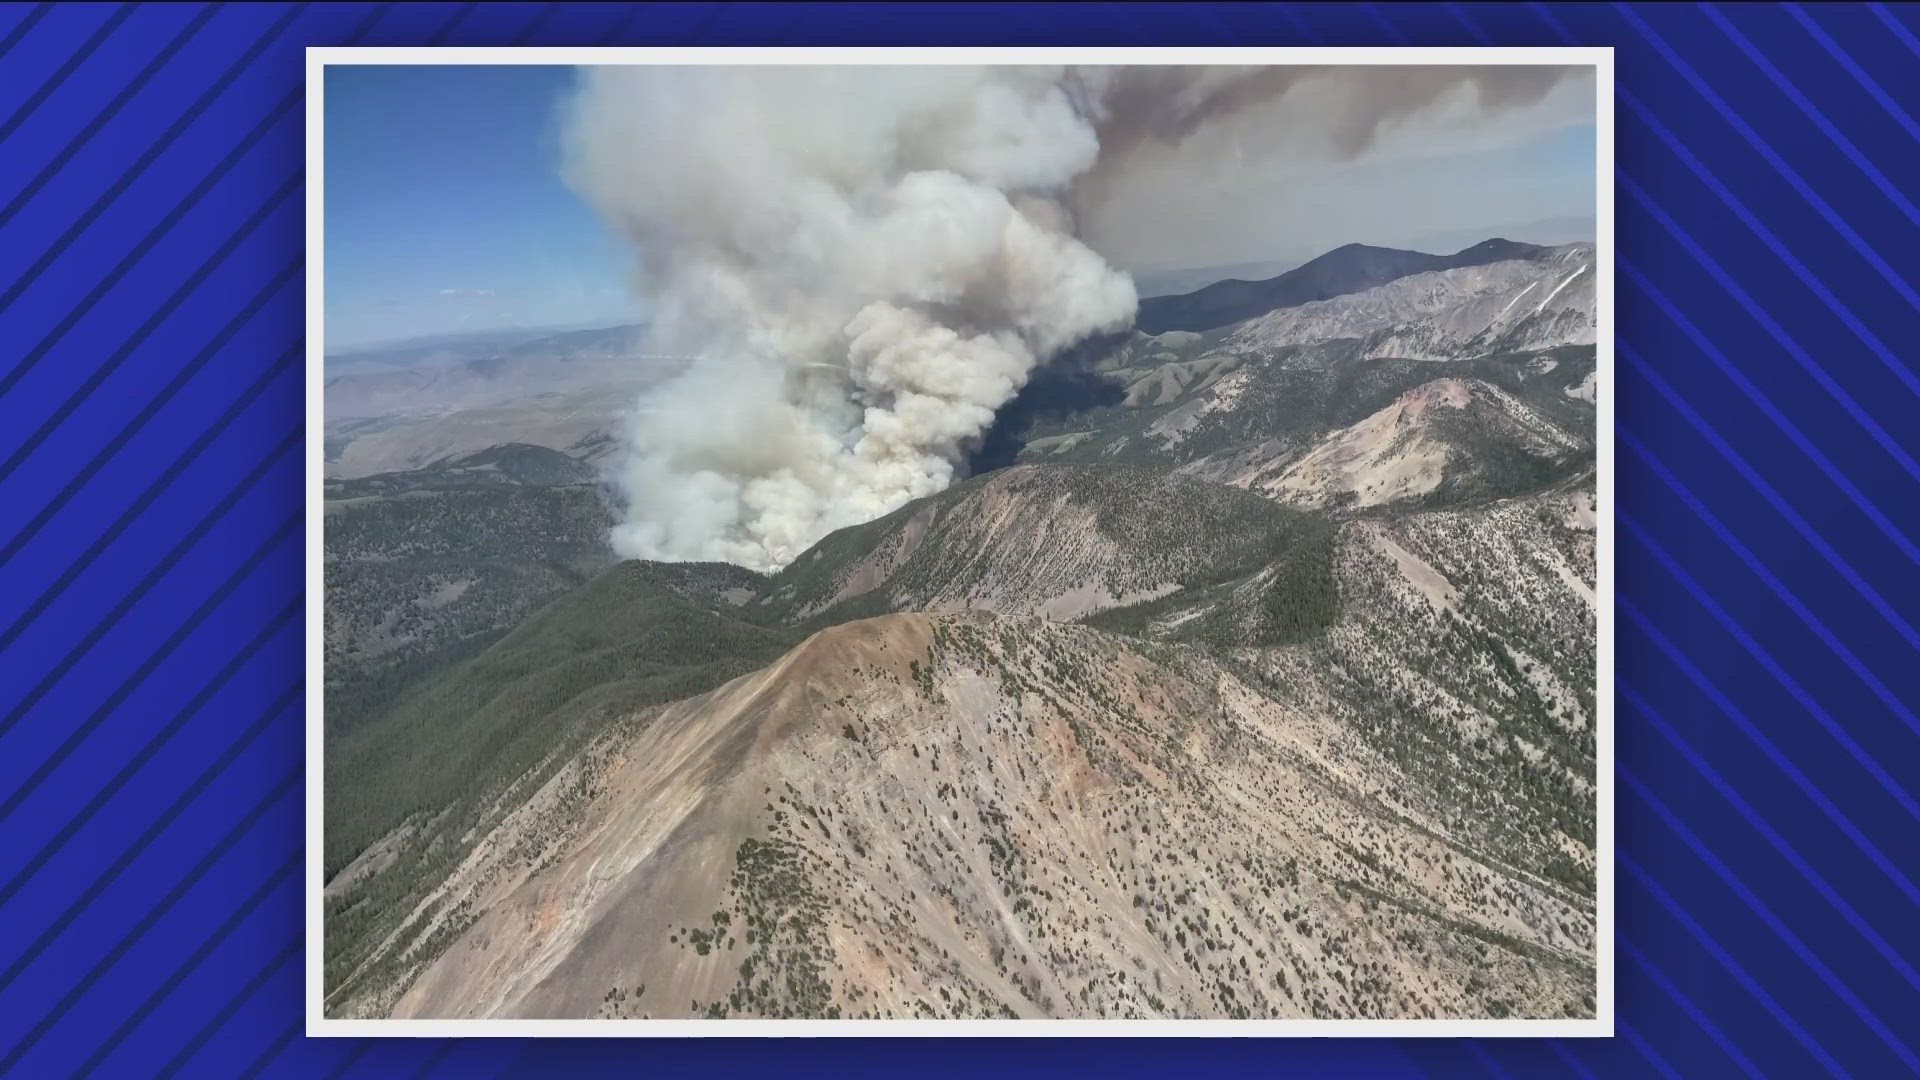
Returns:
(1472,381)
(1541,301)
(987,816)
(634,635)
(1449,437)
(1464,650)
(1515,321)
(1060,542)
(1500,424)
(1262,686)
(1408,780)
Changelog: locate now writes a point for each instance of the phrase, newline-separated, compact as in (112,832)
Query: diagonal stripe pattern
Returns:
(1767,560)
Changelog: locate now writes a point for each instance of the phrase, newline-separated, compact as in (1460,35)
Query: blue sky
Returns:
(446,211)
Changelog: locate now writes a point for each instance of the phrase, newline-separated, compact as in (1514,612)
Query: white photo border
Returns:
(1600,1025)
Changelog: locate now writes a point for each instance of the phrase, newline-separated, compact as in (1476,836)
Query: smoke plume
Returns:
(867,263)
(1142,111)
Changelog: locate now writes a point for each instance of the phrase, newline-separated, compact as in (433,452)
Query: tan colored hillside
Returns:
(974,815)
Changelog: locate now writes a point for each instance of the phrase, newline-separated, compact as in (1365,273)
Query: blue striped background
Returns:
(150,542)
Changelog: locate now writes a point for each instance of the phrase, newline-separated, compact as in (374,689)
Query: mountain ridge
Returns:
(1346,269)
(1259,682)
(1084,766)
(1399,592)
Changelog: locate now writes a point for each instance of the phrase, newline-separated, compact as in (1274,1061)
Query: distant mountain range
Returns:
(406,350)
(1343,270)
(1538,301)
(1549,232)
(1185,280)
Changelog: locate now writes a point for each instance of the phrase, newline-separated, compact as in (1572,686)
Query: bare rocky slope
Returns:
(1541,300)
(986,816)
(1263,685)
(1446,437)
(994,813)
(1062,542)
(1502,346)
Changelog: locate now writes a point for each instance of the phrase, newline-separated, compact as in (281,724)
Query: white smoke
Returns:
(870,261)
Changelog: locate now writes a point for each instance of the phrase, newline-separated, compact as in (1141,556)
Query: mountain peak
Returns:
(1496,249)
(1349,268)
